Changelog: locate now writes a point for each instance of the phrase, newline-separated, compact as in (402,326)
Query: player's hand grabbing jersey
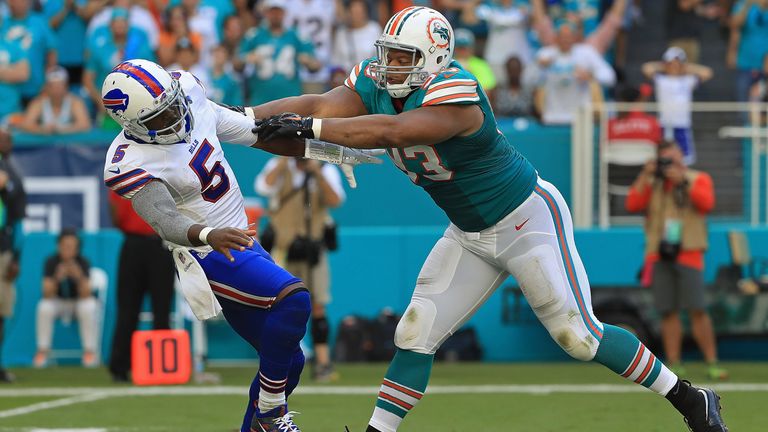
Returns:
(197,174)
(476,179)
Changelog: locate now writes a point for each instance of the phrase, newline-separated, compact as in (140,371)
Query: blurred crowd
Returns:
(540,58)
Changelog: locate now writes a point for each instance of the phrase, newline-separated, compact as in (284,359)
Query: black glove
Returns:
(287,125)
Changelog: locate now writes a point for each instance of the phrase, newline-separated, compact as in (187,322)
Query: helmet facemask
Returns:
(415,74)
(170,121)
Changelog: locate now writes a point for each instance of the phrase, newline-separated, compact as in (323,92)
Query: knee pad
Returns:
(414,331)
(320,330)
(288,320)
(538,272)
(569,332)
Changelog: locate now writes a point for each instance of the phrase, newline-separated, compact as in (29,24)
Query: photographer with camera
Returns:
(676,200)
(301,192)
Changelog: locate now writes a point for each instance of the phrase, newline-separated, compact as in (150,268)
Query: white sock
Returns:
(384,420)
(271,394)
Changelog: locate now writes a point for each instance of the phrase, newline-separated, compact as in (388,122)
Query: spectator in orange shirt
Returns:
(176,27)
(676,200)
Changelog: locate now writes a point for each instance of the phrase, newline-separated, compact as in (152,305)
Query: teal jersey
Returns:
(225,89)
(35,37)
(104,54)
(10,53)
(277,76)
(70,33)
(476,179)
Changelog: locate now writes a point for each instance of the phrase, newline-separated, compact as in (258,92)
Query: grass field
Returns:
(463,397)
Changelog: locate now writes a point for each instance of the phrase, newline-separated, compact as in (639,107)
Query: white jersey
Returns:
(197,174)
(314,20)
(675,95)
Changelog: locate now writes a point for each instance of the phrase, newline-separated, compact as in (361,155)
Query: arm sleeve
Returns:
(156,206)
(85,265)
(50,267)
(332,176)
(702,193)
(601,70)
(261,186)
(637,200)
(233,126)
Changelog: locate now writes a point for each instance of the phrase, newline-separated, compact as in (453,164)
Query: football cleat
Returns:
(275,420)
(705,415)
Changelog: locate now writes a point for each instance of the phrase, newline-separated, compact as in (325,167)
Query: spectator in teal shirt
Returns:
(749,43)
(34,36)
(223,87)
(108,47)
(68,19)
(14,69)
(275,54)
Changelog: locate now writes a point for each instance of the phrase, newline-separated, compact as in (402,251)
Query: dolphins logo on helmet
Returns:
(440,29)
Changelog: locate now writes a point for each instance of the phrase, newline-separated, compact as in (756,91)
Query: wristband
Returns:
(203,236)
(317,126)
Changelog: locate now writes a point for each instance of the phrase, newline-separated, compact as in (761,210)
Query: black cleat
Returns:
(276,420)
(705,415)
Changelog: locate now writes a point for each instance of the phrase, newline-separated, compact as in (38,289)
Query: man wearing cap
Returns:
(110,46)
(465,54)
(675,79)
(56,110)
(275,55)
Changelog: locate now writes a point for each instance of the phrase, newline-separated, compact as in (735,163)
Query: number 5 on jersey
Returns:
(211,192)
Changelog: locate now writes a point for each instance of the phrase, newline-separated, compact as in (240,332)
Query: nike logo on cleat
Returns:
(519,227)
(114,171)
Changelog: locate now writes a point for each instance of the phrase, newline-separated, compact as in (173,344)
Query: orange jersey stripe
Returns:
(449,97)
(449,85)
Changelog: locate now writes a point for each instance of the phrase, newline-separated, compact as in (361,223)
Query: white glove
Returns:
(345,157)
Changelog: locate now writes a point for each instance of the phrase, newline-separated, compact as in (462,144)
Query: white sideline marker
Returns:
(91,394)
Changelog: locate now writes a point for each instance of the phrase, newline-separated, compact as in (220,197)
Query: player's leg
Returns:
(294,374)
(452,285)
(552,276)
(47,311)
(86,309)
(267,307)
(130,293)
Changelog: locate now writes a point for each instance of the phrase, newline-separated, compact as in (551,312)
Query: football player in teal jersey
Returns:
(276,54)
(437,125)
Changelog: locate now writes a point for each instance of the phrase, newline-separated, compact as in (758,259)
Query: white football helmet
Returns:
(147,102)
(422,31)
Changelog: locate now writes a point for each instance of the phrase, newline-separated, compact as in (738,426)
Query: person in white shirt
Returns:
(508,22)
(674,81)
(566,72)
(355,39)
(314,21)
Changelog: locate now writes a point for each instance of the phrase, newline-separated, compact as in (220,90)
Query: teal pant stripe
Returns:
(572,276)
(617,349)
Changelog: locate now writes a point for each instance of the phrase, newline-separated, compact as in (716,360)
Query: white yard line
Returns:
(105,392)
(58,403)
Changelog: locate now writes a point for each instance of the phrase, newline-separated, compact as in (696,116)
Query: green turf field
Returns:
(466,397)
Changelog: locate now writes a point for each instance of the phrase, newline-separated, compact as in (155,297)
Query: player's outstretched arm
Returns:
(156,206)
(338,102)
(422,126)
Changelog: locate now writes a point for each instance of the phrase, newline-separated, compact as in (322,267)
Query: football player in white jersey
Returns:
(169,162)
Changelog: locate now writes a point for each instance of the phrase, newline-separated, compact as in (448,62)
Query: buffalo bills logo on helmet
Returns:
(439,32)
(115,100)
